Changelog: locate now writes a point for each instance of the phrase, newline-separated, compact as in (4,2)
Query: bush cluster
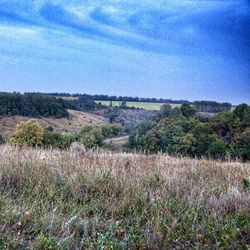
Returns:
(31,133)
(93,136)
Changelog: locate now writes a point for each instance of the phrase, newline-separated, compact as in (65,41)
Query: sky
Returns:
(178,49)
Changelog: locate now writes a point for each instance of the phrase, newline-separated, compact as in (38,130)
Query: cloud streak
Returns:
(157,26)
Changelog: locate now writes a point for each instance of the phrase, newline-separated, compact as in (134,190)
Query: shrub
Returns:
(29,133)
(110,130)
(245,152)
(217,149)
(50,128)
(175,112)
(57,140)
(91,137)
(165,110)
(2,140)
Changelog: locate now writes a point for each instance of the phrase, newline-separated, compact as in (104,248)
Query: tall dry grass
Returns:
(73,199)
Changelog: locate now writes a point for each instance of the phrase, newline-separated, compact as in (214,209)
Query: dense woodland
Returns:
(40,105)
(32,104)
(179,131)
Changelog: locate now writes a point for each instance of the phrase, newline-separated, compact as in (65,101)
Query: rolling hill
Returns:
(75,123)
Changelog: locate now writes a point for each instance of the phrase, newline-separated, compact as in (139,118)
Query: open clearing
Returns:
(75,123)
(144,105)
(74,199)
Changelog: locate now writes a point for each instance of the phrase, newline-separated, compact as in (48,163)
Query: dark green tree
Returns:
(2,140)
(217,149)
(187,110)
(165,110)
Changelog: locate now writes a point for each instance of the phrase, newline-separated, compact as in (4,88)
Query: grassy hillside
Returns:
(75,123)
(144,105)
(73,199)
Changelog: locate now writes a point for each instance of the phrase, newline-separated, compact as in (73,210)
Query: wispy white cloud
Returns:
(17,31)
(151,25)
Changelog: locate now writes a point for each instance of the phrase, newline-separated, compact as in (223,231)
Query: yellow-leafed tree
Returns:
(29,133)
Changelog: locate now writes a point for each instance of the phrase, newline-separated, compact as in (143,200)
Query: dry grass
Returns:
(74,199)
(75,123)
(116,143)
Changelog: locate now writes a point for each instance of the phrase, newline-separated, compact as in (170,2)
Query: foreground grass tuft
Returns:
(52,199)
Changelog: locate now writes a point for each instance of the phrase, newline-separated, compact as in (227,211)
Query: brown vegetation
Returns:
(116,142)
(75,123)
(78,199)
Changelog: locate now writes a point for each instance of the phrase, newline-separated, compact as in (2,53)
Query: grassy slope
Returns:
(75,123)
(145,105)
(75,200)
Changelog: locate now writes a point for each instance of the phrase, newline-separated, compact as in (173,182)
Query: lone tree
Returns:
(123,104)
(29,133)
(165,110)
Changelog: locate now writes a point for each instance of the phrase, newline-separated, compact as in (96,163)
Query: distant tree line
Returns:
(178,131)
(31,104)
(37,105)
(119,98)
(211,106)
(81,104)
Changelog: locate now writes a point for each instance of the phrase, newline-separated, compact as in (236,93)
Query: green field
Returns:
(144,105)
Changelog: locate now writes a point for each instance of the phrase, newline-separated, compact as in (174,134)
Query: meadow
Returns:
(144,105)
(78,199)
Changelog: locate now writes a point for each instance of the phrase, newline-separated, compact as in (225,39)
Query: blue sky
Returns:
(152,48)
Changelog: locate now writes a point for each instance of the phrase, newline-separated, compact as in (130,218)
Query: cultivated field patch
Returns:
(144,105)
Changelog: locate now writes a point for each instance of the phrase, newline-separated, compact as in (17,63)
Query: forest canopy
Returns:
(31,104)
(37,104)
(179,131)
